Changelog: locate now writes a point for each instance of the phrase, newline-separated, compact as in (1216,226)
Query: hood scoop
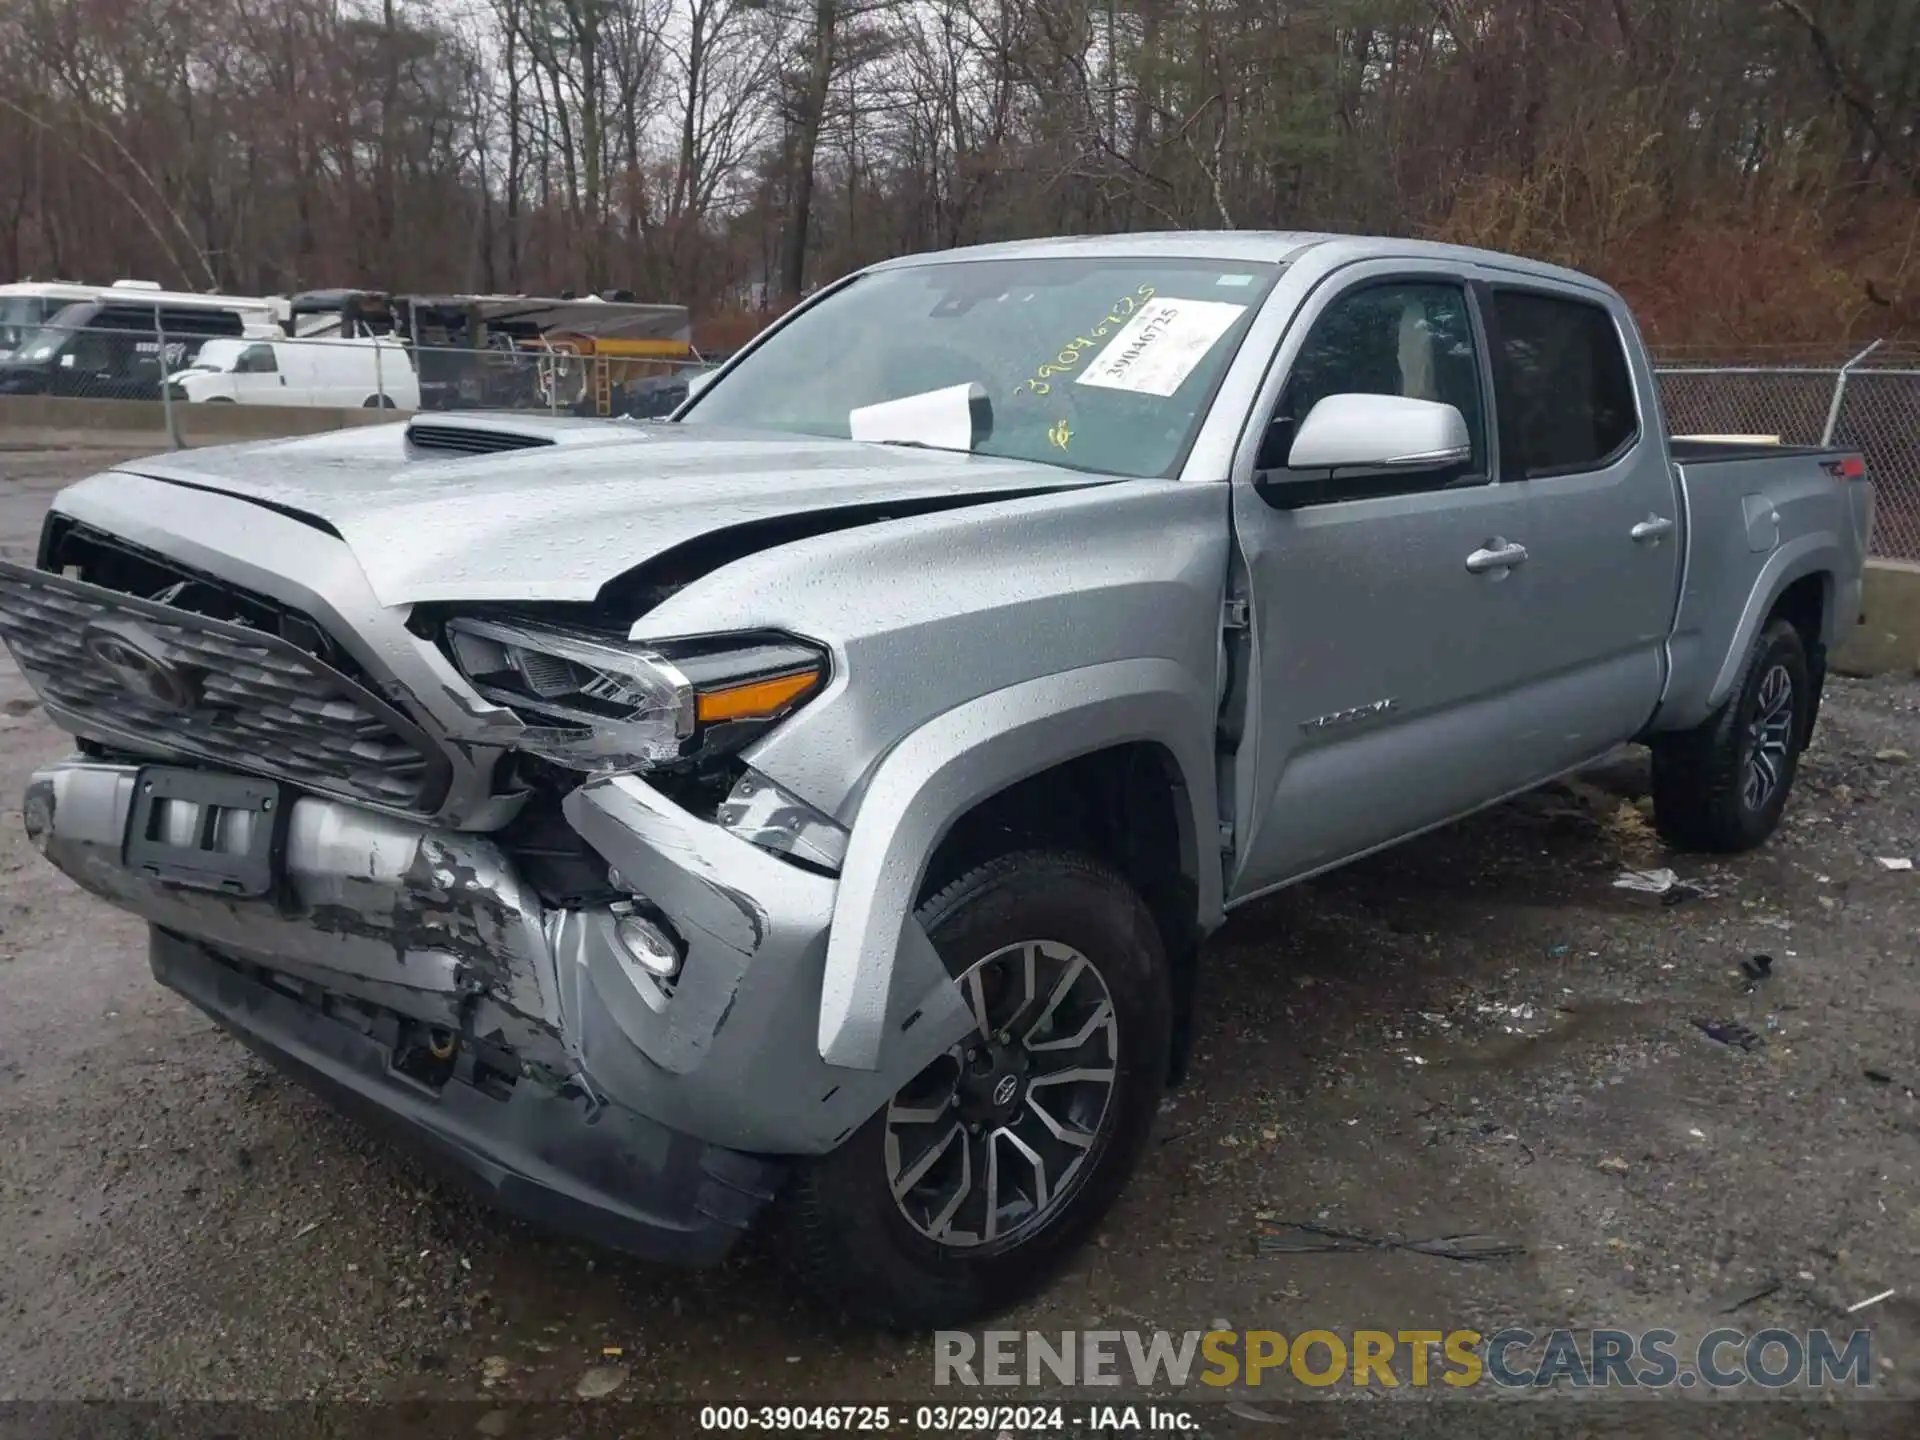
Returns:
(470,437)
(483,434)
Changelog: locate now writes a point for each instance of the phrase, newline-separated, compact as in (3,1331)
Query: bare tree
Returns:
(1745,168)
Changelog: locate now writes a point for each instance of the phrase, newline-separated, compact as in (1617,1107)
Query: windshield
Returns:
(220,356)
(20,316)
(41,345)
(1103,364)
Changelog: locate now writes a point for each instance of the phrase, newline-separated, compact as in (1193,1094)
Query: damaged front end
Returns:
(420,866)
(414,971)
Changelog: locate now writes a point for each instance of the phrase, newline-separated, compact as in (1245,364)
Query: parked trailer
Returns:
(513,351)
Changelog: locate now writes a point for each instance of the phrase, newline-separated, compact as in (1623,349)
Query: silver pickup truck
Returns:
(815,803)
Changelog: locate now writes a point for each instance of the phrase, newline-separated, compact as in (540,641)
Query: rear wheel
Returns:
(990,1166)
(1722,786)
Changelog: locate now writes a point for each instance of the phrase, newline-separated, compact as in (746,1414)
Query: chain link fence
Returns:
(259,365)
(1868,401)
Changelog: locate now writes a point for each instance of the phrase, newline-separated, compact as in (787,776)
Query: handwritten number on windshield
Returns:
(1069,357)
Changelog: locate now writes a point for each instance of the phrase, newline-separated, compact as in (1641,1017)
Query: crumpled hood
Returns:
(557,522)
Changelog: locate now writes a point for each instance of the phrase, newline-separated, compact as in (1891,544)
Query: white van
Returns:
(262,371)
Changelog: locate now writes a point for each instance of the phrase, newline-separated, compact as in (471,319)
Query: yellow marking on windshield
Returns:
(1061,435)
(1070,353)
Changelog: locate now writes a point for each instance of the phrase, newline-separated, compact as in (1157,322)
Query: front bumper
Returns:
(554,1158)
(434,927)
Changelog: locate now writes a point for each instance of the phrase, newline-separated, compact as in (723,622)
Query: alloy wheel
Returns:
(991,1140)
(1769,737)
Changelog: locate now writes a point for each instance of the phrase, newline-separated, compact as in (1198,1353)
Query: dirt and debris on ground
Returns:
(1477,1034)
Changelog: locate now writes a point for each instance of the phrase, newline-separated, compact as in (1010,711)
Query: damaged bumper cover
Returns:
(652,1116)
(549,1156)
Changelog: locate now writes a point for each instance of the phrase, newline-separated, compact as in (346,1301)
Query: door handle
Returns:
(1651,528)
(1497,554)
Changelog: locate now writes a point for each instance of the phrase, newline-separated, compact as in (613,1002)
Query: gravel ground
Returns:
(1474,1032)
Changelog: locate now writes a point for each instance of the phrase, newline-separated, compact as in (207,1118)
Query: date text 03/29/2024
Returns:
(954,1419)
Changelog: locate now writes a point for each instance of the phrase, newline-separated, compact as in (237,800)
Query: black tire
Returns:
(220,400)
(377,402)
(1704,788)
(845,1237)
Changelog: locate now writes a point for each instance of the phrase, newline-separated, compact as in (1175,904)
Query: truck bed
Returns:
(1714,452)
(1758,516)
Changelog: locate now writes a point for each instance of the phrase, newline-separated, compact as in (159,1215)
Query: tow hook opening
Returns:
(426,1053)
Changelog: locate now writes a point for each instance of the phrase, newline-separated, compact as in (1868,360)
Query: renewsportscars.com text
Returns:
(1388,1359)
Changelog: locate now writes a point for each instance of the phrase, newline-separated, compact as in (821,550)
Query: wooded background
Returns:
(1748,171)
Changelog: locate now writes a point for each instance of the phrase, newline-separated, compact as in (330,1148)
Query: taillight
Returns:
(1850,467)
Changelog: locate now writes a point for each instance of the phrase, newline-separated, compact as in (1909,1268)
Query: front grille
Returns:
(134,672)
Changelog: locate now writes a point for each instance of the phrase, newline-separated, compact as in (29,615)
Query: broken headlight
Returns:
(605,707)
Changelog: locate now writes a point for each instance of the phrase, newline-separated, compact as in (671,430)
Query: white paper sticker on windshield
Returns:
(1161,345)
(944,419)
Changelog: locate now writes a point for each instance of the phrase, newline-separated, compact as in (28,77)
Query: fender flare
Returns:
(972,752)
(1817,553)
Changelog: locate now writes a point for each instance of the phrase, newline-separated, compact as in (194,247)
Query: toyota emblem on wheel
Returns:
(1003,1092)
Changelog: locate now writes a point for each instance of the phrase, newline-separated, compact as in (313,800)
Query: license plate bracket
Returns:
(207,831)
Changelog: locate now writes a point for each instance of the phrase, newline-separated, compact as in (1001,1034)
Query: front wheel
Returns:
(990,1166)
(1722,786)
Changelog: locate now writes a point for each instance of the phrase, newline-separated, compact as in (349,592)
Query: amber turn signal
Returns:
(755,700)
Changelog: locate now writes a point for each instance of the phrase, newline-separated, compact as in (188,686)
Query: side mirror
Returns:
(1380,432)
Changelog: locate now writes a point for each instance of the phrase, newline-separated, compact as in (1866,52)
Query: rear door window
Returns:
(1562,385)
